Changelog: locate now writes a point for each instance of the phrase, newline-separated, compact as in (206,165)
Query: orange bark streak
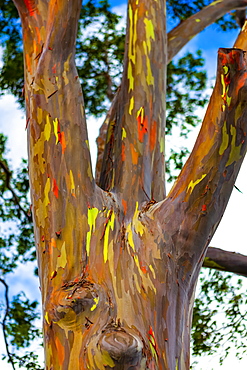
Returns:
(55,188)
(52,245)
(142,128)
(123,155)
(38,35)
(54,68)
(60,350)
(124,203)
(30,4)
(153,135)
(142,125)
(28,63)
(62,141)
(134,154)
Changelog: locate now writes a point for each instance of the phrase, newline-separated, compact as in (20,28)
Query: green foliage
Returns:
(28,360)
(185,93)
(14,215)
(20,325)
(186,82)
(18,314)
(219,316)
(99,55)
(11,76)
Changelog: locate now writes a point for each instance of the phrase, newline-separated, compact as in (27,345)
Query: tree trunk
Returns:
(118,264)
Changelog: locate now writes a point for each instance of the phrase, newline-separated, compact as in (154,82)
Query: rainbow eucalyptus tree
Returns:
(118,258)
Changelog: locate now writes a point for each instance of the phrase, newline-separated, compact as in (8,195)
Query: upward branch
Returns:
(177,38)
(241,41)
(61,180)
(135,138)
(205,183)
(6,296)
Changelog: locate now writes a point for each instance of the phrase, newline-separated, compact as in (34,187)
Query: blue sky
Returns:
(116,2)
(230,234)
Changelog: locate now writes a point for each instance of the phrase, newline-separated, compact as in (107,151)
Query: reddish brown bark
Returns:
(117,268)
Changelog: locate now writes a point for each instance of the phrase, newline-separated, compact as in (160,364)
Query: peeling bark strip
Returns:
(118,269)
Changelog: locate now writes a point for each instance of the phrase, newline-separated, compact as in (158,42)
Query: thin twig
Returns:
(4,322)
(8,186)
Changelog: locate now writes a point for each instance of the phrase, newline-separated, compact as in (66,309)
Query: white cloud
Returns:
(12,124)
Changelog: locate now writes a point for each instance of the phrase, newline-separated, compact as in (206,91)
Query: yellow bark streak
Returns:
(149,32)
(55,125)
(192,183)
(72,183)
(96,301)
(149,75)
(41,209)
(62,259)
(123,133)
(47,130)
(225,139)
(110,225)
(75,351)
(235,150)
(66,69)
(131,105)
(39,115)
(138,226)
(92,215)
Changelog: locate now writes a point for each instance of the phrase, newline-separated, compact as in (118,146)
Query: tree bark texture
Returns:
(176,39)
(118,264)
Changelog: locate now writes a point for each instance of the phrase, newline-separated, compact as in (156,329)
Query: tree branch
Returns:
(222,260)
(200,194)
(8,186)
(60,172)
(186,30)
(10,360)
(177,38)
(241,41)
(101,143)
(136,135)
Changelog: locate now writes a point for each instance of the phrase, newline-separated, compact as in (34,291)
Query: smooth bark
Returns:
(241,41)
(140,120)
(222,260)
(176,39)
